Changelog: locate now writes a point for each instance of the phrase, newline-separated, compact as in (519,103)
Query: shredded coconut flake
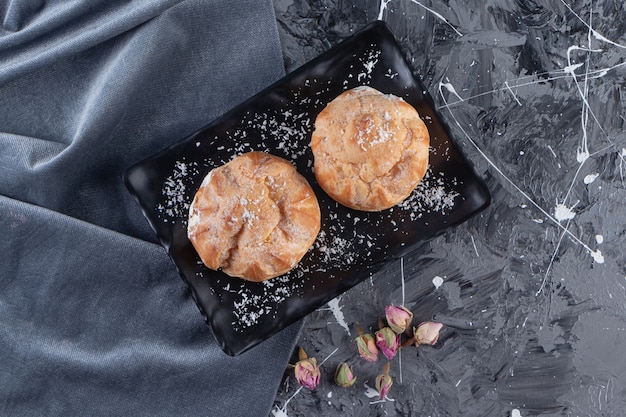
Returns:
(175,204)
(369,63)
(431,195)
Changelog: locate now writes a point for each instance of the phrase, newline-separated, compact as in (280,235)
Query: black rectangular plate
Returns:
(351,244)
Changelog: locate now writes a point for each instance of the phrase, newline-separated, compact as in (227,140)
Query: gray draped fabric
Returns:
(94,319)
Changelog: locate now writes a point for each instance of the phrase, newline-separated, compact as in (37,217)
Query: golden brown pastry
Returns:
(370,149)
(254,217)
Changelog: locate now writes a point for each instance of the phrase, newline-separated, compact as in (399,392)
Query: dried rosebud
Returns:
(344,376)
(306,371)
(384,382)
(388,342)
(383,385)
(426,333)
(398,318)
(366,345)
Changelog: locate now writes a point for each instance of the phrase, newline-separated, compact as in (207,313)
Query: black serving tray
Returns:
(351,244)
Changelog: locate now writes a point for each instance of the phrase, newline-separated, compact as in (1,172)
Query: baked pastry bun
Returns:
(370,149)
(254,217)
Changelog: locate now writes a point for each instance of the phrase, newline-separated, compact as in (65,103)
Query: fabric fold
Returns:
(94,318)
(61,28)
(18,13)
(93,327)
(131,97)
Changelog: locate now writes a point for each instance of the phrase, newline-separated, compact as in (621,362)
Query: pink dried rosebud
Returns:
(383,385)
(306,371)
(366,345)
(384,382)
(388,342)
(398,318)
(427,333)
(344,376)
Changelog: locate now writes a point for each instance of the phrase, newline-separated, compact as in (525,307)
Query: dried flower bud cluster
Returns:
(387,339)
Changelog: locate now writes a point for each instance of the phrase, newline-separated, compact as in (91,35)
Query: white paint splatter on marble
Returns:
(563,211)
(437,282)
(335,308)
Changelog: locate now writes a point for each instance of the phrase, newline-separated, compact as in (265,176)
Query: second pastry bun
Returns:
(370,149)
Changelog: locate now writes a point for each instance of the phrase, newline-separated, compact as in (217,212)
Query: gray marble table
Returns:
(532,291)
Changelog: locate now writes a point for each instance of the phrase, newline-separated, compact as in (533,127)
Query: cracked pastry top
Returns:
(370,149)
(254,217)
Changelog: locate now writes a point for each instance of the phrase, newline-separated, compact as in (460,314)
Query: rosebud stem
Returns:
(386,368)
(302,354)
(409,341)
(381,323)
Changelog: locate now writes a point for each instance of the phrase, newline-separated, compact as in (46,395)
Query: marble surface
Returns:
(532,292)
